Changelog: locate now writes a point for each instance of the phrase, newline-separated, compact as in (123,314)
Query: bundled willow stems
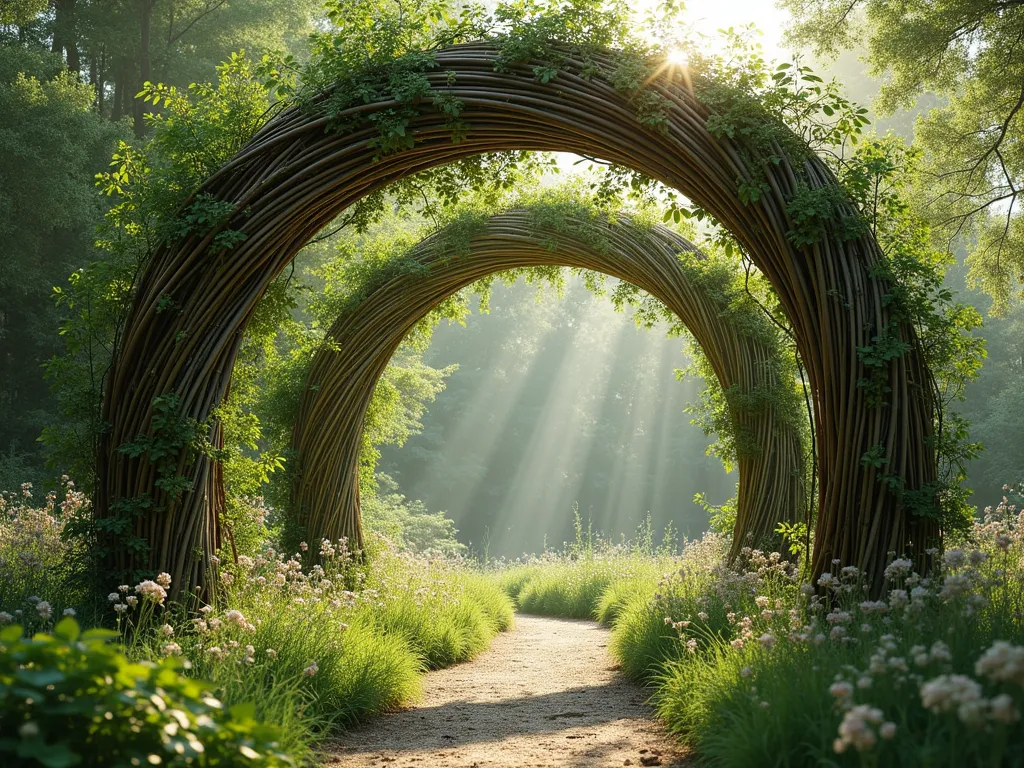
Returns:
(296,175)
(327,436)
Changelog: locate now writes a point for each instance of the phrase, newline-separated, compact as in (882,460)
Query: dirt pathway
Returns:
(546,693)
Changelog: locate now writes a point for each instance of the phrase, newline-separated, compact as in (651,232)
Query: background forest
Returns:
(533,369)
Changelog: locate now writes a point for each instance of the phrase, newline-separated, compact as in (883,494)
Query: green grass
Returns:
(312,648)
(748,670)
(370,645)
(641,641)
(573,588)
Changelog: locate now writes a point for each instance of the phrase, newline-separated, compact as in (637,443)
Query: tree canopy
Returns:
(971,54)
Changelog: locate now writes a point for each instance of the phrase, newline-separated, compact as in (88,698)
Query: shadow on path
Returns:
(544,694)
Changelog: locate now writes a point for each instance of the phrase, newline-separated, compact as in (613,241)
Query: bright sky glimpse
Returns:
(708,16)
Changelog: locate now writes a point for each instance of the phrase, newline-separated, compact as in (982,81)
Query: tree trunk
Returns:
(65,35)
(120,75)
(96,80)
(145,23)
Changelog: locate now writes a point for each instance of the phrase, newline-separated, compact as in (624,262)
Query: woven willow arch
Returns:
(193,302)
(328,430)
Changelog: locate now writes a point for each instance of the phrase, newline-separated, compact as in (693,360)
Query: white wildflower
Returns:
(947,692)
(1002,663)
(898,568)
(152,591)
(953,559)
(28,730)
(856,731)
(1002,709)
(841,690)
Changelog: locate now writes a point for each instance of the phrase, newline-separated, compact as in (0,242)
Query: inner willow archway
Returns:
(306,166)
(328,431)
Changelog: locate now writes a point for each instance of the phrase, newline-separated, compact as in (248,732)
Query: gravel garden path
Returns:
(547,693)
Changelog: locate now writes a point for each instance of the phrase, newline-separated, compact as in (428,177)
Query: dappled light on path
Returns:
(545,694)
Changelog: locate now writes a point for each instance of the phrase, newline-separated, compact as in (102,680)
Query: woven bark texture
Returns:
(296,175)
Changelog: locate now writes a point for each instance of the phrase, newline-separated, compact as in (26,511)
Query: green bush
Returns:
(73,698)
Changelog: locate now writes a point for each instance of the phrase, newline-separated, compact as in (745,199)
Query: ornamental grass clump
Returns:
(572,583)
(930,674)
(316,646)
(644,633)
(446,614)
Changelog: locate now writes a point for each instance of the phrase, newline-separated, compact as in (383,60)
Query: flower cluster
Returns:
(858,729)
(906,654)
(36,558)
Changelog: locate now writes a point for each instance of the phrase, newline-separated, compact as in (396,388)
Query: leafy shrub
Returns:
(407,522)
(72,698)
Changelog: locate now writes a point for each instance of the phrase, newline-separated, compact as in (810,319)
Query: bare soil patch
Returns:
(546,693)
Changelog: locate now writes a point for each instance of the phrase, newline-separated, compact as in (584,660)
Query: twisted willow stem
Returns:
(193,302)
(328,431)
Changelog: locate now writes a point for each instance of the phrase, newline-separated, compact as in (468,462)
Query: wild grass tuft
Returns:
(310,647)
